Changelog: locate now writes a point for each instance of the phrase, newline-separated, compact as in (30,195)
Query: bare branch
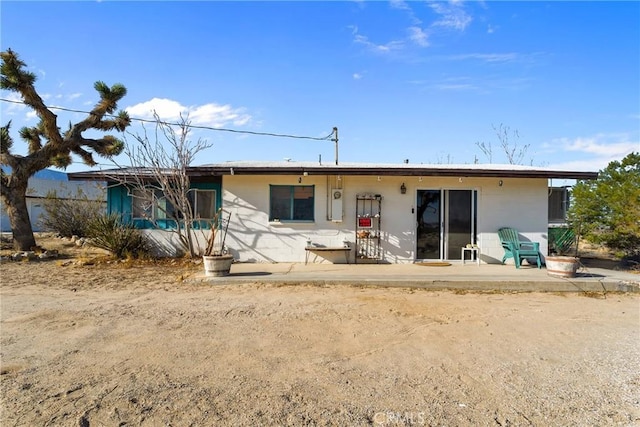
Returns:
(160,162)
(514,153)
(486,150)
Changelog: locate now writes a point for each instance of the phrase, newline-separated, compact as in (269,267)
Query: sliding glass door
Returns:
(428,235)
(446,222)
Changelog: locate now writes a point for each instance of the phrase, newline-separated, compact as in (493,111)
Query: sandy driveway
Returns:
(114,346)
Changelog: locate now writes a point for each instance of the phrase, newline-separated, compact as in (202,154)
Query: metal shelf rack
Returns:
(368,222)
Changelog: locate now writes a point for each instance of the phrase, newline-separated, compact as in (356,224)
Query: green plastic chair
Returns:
(517,249)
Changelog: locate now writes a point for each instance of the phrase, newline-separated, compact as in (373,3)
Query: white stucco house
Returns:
(356,213)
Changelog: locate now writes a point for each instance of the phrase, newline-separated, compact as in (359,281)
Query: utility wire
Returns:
(279,135)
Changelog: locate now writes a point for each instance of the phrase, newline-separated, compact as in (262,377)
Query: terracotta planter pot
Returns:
(562,266)
(219,265)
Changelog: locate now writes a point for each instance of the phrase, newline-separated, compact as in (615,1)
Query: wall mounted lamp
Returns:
(299,180)
(500,183)
(403,189)
(379,179)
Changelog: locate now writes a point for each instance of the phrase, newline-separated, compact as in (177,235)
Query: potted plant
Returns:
(561,241)
(562,266)
(217,262)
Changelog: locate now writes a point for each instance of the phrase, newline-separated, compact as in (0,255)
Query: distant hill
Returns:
(44,174)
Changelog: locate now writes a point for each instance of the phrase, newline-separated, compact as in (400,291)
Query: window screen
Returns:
(291,203)
(203,203)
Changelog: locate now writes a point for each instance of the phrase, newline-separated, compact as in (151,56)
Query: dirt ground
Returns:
(126,344)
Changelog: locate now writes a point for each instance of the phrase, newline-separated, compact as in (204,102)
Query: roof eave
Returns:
(200,171)
(447,172)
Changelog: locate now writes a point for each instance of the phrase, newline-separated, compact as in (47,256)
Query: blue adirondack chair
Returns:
(517,249)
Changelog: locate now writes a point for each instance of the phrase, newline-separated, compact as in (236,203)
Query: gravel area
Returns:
(135,344)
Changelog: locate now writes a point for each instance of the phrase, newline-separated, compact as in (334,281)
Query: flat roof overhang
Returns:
(390,171)
(200,172)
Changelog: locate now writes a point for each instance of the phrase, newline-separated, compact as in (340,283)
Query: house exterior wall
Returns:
(518,203)
(120,202)
(161,236)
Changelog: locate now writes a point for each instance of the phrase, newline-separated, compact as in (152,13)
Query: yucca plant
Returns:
(123,240)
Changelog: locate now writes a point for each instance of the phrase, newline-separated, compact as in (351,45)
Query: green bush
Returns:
(70,217)
(606,210)
(109,232)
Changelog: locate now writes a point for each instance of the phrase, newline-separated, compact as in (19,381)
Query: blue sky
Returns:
(418,80)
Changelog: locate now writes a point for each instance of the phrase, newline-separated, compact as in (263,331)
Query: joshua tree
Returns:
(47,146)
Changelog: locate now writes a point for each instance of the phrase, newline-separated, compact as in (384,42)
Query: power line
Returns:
(248,132)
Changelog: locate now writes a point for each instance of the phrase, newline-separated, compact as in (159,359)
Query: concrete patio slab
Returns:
(467,277)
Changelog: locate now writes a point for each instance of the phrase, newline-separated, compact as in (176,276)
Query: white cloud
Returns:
(218,115)
(453,86)
(592,165)
(418,36)
(380,48)
(17,110)
(15,105)
(597,145)
(214,115)
(452,15)
(399,4)
(487,57)
(596,152)
(357,76)
(456,84)
(165,108)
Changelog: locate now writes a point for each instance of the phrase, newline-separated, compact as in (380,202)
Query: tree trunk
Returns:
(16,205)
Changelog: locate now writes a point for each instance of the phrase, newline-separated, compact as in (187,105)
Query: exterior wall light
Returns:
(403,189)
(500,183)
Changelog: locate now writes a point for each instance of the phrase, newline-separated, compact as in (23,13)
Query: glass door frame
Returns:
(444,218)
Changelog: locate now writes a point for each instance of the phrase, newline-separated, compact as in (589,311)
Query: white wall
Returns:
(253,238)
(166,243)
(518,203)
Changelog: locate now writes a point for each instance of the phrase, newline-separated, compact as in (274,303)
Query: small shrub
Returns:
(70,217)
(109,232)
